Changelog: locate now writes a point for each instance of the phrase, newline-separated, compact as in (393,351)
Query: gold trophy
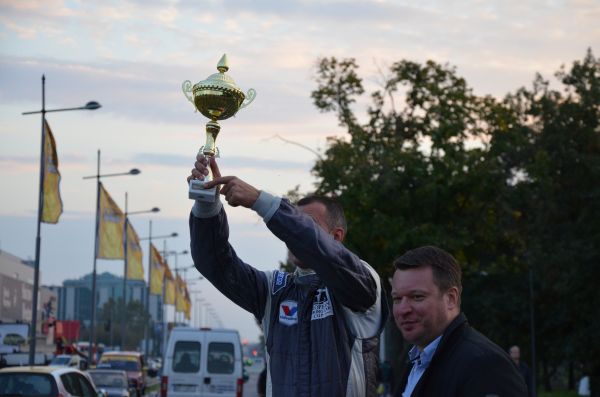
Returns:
(217,98)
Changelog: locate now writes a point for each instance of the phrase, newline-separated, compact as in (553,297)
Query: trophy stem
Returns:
(212,130)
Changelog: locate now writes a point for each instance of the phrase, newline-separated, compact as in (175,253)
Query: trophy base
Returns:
(198,192)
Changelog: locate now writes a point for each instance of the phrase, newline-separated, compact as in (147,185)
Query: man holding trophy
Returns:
(322,322)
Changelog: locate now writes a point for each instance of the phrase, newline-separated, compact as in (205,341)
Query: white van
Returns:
(202,363)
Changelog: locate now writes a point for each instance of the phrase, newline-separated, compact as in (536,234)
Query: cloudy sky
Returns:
(132,56)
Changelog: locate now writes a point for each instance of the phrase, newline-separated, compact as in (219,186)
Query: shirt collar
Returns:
(424,357)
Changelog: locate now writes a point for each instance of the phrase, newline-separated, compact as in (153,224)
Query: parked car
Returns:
(113,382)
(202,363)
(130,362)
(46,382)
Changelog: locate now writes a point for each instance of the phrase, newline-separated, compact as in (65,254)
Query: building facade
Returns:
(16,284)
(16,290)
(76,295)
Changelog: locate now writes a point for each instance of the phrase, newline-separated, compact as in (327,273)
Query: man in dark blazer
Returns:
(449,358)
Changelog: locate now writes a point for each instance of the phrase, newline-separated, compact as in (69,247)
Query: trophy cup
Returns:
(217,98)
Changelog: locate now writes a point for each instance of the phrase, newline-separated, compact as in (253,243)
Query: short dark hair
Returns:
(446,271)
(335,212)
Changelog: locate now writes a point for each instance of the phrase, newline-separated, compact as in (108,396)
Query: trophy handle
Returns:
(250,95)
(186,87)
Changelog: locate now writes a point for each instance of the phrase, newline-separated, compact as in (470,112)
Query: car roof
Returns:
(205,330)
(120,353)
(107,371)
(39,370)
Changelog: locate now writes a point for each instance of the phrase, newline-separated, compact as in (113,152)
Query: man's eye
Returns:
(396,299)
(418,298)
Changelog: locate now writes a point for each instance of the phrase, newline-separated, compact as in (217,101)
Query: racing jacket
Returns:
(321,325)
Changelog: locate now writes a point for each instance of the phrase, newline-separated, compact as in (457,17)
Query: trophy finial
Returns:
(223,64)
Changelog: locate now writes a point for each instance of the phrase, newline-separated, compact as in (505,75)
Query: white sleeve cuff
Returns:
(202,209)
(266,205)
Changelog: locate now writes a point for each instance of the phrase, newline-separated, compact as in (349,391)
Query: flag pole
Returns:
(38,239)
(165,322)
(162,313)
(125,243)
(97,227)
(149,321)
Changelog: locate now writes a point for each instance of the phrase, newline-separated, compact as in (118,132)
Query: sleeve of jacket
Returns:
(216,260)
(341,270)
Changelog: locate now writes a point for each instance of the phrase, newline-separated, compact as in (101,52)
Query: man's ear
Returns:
(452,298)
(338,234)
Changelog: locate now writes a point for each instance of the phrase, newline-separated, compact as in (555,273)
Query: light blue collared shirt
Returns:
(421,360)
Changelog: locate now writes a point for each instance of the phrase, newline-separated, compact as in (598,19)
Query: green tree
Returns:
(109,323)
(423,173)
(504,185)
(561,206)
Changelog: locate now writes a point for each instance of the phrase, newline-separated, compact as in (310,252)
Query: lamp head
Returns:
(155,209)
(92,105)
(134,171)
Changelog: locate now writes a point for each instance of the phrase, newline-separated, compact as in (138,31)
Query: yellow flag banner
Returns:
(188,305)
(157,270)
(52,203)
(135,268)
(110,230)
(169,291)
(180,291)
(170,286)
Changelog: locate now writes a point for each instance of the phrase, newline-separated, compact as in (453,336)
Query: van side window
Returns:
(220,358)
(186,357)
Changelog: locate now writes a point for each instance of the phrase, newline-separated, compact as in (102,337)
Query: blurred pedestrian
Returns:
(449,358)
(583,388)
(515,354)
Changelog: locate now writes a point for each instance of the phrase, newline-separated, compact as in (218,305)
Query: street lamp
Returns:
(147,297)
(36,277)
(133,171)
(125,243)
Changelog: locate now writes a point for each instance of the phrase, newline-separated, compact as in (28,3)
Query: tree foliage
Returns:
(109,326)
(505,185)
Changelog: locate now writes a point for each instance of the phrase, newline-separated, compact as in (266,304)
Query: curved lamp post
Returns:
(92,105)
(133,171)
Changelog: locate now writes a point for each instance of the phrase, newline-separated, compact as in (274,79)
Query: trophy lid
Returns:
(220,81)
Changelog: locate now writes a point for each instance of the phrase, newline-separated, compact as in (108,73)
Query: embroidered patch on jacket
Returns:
(288,312)
(321,305)
(279,281)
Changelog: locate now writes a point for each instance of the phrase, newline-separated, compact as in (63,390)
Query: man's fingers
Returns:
(201,158)
(221,180)
(196,174)
(201,167)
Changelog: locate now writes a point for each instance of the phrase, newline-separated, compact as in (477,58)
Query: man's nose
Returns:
(403,306)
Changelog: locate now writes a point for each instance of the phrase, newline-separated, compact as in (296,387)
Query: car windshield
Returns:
(27,384)
(123,365)
(109,379)
(60,361)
